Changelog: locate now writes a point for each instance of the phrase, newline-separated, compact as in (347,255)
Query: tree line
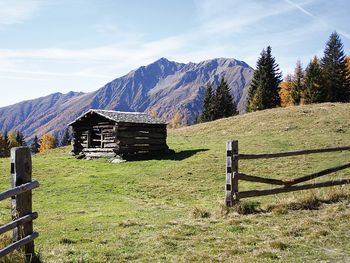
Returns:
(46,142)
(324,80)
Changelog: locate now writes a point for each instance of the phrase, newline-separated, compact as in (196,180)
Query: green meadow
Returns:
(171,209)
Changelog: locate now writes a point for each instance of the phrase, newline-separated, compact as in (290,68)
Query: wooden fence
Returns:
(233,176)
(21,203)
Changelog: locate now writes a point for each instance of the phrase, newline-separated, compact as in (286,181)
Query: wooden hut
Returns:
(106,133)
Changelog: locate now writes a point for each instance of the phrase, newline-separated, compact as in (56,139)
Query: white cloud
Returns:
(17,11)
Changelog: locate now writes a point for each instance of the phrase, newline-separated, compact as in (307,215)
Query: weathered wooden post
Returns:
(231,172)
(21,204)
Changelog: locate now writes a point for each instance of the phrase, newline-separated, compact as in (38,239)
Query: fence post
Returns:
(21,205)
(231,172)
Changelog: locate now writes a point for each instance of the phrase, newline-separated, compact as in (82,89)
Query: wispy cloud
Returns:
(300,8)
(14,12)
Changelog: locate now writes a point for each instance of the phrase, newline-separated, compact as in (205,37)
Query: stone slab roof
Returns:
(120,116)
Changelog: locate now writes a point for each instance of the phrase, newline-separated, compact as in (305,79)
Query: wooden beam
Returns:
(231,173)
(19,190)
(258,179)
(292,188)
(23,242)
(18,222)
(292,153)
(318,174)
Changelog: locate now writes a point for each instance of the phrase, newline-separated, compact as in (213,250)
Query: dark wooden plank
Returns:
(136,140)
(258,179)
(127,134)
(16,245)
(252,193)
(19,190)
(292,153)
(231,172)
(18,222)
(21,205)
(318,174)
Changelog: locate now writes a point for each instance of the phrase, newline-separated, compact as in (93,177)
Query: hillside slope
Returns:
(164,86)
(170,210)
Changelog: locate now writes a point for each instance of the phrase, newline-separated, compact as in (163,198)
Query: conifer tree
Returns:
(48,141)
(263,91)
(12,140)
(334,71)
(223,104)
(65,138)
(285,91)
(207,113)
(298,88)
(20,139)
(314,91)
(34,147)
(7,149)
(3,146)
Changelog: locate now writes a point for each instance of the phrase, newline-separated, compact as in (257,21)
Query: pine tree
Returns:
(65,138)
(48,141)
(207,113)
(285,91)
(20,139)
(3,146)
(34,147)
(223,104)
(314,91)
(12,140)
(263,91)
(298,88)
(334,70)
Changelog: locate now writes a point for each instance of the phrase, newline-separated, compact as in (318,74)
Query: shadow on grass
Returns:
(169,155)
(309,202)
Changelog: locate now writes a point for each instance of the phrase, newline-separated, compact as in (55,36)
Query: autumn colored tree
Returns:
(175,122)
(314,90)
(12,139)
(298,87)
(334,70)
(264,89)
(48,141)
(153,113)
(285,91)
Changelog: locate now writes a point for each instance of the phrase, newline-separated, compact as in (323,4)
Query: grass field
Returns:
(172,209)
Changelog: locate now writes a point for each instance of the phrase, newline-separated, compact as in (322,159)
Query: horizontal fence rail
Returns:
(292,153)
(21,204)
(233,176)
(19,190)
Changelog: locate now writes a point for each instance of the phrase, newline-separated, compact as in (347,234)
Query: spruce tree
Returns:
(3,146)
(34,147)
(207,113)
(20,139)
(65,138)
(314,91)
(263,91)
(334,71)
(223,104)
(298,88)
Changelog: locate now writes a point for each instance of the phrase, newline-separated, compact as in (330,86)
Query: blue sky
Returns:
(60,45)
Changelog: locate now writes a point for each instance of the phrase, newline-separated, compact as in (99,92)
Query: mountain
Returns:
(163,86)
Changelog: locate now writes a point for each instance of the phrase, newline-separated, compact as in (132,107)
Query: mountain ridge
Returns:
(163,86)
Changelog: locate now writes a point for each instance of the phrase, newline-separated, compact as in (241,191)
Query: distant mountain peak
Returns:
(163,86)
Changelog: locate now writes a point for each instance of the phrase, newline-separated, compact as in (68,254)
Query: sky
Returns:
(80,45)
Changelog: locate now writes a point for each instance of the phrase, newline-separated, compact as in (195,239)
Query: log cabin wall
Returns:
(96,136)
(136,138)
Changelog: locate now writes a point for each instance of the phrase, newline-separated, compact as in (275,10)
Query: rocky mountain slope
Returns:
(163,86)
